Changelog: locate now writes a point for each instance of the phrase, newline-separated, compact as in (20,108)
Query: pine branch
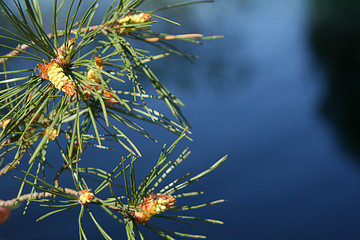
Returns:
(35,195)
(9,166)
(72,94)
(22,47)
(172,37)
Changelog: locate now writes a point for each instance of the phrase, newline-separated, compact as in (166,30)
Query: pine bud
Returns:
(64,55)
(5,122)
(85,197)
(99,62)
(153,204)
(53,133)
(133,19)
(110,100)
(93,74)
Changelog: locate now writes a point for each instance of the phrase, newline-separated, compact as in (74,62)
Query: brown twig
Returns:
(35,195)
(22,47)
(56,182)
(117,209)
(8,141)
(56,178)
(173,37)
(10,166)
(13,53)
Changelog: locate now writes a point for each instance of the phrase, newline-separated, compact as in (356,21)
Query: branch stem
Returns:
(193,35)
(22,47)
(35,195)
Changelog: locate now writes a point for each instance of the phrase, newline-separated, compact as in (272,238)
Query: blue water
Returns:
(256,95)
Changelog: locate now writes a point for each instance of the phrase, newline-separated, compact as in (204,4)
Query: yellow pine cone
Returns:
(53,72)
(53,133)
(133,19)
(153,204)
(5,122)
(57,77)
(94,75)
(64,54)
(160,205)
(85,197)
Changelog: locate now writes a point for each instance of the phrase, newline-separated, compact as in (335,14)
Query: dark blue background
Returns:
(279,95)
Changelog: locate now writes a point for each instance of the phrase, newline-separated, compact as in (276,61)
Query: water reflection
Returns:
(222,63)
(335,40)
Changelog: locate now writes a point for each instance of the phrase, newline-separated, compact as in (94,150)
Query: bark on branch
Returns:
(35,195)
(22,47)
